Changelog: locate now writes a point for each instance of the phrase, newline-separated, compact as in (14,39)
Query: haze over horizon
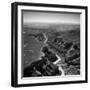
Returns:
(50,17)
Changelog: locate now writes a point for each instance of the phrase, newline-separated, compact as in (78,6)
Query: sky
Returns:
(50,17)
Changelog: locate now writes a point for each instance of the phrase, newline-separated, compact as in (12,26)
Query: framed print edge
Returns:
(86,51)
(14,44)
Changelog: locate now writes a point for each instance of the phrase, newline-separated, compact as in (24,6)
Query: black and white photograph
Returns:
(49,44)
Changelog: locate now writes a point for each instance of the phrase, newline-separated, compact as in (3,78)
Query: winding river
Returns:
(58,60)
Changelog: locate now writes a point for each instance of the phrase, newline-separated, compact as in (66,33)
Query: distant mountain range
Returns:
(52,26)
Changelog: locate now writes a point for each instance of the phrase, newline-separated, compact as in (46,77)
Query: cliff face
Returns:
(43,67)
(68,50)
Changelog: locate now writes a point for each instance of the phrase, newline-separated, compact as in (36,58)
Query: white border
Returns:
(53,78)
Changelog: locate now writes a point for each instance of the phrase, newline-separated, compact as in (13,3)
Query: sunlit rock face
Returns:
(32,45)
